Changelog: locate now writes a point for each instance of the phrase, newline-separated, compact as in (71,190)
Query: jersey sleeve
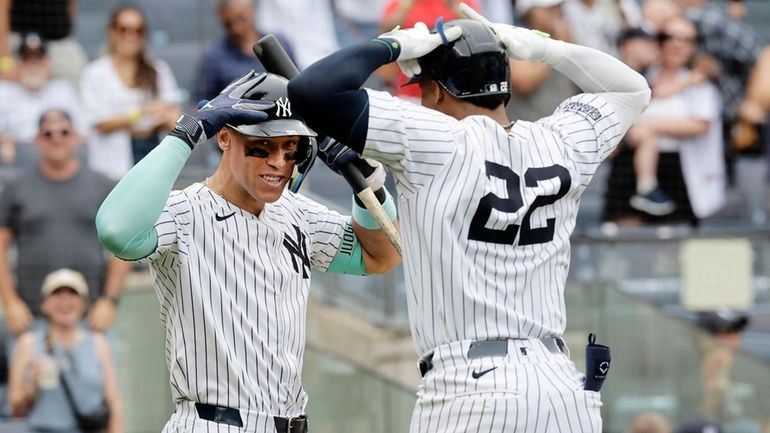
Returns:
(414,142)
(170,223)
(589,128)
(326,229)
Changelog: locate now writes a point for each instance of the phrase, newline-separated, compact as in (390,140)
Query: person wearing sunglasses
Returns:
(34,92)
(48,211)
(130,97)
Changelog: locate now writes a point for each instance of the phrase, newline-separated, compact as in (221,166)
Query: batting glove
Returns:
(417,42)
(520,43)
(337,155)
(229,107)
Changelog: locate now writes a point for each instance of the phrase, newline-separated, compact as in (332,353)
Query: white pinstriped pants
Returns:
(530,390)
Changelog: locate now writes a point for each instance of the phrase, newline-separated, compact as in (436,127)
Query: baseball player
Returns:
(486,206)
(231,256)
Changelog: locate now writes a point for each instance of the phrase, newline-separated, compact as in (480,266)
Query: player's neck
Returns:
(228,188)
(463,110)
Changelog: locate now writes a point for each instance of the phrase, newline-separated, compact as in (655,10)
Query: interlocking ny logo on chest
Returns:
(298,252)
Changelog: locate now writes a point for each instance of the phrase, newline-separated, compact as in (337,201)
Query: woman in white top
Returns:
(129,96)
(684,117)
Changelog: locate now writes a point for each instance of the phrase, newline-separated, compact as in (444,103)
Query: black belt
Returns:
(485,348)
(230,416)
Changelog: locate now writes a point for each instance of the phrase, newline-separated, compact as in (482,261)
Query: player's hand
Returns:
(17,317)
(373,172)
(102,315)
(336,155)
(229,107)
(419,41)
(520,43)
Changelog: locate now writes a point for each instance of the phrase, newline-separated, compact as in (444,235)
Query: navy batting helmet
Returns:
(474,65)
(281,121)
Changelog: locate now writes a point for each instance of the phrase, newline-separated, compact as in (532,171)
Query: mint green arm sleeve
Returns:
(126,220)
(349,258)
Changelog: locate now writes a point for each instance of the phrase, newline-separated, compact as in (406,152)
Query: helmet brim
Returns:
(275,128)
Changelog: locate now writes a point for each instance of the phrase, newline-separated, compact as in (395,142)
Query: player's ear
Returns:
(224,136)
(431,92)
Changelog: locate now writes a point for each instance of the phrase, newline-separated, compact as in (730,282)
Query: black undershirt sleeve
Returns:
(328,94)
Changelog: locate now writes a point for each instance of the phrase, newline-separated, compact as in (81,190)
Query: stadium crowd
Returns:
(70,127)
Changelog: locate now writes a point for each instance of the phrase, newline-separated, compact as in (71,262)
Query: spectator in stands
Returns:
(62,351)
(129,97)
(726,326)
(357,20)
(598,23)
(49,211)
(656,12)
(307,24)
(233,56)
(537,89)
(750,135)
(54,21)
(732,43)
(407,13)
(27,98)
(698,425)
(649,422)
(682,121)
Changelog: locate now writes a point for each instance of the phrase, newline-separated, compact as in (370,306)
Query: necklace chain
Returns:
(207,185)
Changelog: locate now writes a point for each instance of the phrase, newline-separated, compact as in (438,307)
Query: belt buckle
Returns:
(425,364)
(298,422)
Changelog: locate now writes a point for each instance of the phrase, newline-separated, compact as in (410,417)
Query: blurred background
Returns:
(671,255)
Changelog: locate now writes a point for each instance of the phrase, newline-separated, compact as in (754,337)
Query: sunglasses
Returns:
(49,134)
(663,37)
(130,30)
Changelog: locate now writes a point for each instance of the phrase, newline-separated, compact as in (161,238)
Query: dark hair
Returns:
(488,101)
(44,115)
(146,75)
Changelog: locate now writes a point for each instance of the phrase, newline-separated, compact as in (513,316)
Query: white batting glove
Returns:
(373,171)
(417,42)
(520,43)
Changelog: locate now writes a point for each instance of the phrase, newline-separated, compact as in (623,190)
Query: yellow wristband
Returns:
(7,63)
(135,115)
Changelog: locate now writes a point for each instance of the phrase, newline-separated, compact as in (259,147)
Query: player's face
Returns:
(64,307)
(429,94)
(57,139)
(262,165)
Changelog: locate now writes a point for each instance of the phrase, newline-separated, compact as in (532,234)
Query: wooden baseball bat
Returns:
(275,60)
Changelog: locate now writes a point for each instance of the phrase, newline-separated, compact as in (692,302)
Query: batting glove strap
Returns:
(189,130)
(366,220)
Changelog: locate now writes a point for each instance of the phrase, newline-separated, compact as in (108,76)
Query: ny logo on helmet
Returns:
(283,107)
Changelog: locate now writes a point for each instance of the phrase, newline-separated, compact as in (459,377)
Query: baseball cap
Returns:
(32,45)
(523,6)
(722,320)
(699,425)
(634,33)
(65,278)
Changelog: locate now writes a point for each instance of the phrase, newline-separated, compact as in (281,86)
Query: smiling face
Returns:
(259,166)
(57,139)
(64,307)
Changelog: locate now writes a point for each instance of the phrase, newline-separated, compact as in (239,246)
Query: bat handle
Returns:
(354,177)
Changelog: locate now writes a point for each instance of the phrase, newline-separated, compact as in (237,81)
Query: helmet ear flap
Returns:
(308,149)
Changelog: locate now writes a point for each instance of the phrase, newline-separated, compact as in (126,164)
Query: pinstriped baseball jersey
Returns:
(233,289)
(486,214)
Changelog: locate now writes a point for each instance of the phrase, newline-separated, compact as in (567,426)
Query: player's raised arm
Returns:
(126,220)
(328,94)
(592,70)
